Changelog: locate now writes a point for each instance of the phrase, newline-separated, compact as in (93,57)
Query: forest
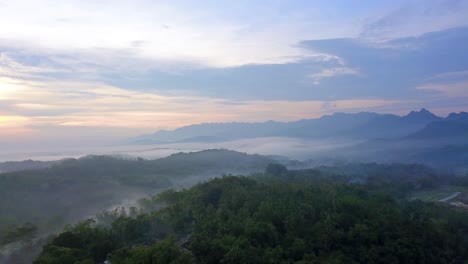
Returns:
(279,216)
(52,197)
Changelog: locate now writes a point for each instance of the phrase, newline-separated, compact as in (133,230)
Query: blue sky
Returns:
(129,67)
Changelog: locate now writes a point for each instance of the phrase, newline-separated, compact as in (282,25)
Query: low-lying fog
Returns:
(293,148)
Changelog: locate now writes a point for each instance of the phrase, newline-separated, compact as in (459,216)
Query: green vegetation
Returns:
(307,216)
(78,188)
(265,216)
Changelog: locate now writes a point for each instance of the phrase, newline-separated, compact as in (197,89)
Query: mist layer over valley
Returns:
(359,137)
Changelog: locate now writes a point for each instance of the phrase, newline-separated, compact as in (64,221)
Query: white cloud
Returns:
(165,30)
(37,110)
(332,72)
(10,67)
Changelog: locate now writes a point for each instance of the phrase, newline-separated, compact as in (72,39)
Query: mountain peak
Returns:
(422,114)
(458,116)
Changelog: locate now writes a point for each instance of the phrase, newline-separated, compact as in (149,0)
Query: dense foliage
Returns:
(279,217)
(53,197)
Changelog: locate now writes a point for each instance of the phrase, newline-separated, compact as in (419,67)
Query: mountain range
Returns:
(420,137)
(362,126)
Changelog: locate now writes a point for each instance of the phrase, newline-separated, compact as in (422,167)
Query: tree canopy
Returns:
(280,218)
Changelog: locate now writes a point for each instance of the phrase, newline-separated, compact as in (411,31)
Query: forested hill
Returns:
(280,217)
(10,166)
(36,203)
(77,188)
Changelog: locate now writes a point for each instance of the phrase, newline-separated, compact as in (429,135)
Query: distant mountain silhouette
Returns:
(420,136)
(364,125)
(462,116)
(393,126)
(455,126)
(326,126)
(421,116)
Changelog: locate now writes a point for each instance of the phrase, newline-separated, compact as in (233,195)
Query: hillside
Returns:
(35,203)
(393,126)
(291,216)
(53,196)
(456,129)
(11,166)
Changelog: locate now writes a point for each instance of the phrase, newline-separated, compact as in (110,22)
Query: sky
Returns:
(99,71)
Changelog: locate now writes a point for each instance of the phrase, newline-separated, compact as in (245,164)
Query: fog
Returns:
(294,148)
(59,200)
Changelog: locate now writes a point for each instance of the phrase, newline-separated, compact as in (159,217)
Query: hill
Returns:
(10,166)
(455,129)
(393,126)
(290,217)
(77,188)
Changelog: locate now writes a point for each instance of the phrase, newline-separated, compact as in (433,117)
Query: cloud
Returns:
(202,33)
(449,76)
(264,55)
(332,72)
(447,84)
(342,69)
(214,34)
(96,104)
(62,112)
(457,89)
(417,17)
(11,67)
(395,68)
